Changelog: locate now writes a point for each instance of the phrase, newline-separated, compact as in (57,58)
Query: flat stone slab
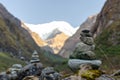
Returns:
(75,63)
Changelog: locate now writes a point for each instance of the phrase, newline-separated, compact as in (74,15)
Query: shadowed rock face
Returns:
(14,37)
(71,42)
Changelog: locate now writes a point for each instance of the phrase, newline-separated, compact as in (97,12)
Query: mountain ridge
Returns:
(44,30)
(17,42)
(51,31)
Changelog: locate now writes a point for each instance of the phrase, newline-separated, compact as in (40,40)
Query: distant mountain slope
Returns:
(16,40)
(45,30)
(35,36)
(57,42)
(71,42)
(14,37)
(37,39)
(49,32)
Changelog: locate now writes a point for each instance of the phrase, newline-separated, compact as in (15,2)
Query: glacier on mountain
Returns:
(46,29)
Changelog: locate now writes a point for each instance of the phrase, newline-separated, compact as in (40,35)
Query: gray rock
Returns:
(75,63)
(87,40)
(50,74)
(88,55)
(83,51)
(105,77)
(4,77)
(84,47)
(86,37)
(38,65)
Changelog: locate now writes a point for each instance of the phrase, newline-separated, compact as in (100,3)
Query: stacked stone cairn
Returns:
(83,58)
(36,71)
(32,69)
(35,57)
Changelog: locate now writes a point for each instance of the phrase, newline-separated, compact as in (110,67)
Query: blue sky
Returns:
(43,11)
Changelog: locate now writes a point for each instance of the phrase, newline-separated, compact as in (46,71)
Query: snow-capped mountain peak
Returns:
(46,29)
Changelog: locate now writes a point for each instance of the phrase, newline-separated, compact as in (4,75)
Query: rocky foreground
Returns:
(83,63)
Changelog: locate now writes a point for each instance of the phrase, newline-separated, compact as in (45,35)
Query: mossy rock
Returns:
(91,74)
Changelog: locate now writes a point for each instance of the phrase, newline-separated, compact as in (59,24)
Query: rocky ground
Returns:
(83,63)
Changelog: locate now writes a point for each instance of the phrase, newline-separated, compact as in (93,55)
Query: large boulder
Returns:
(83,51)
(87,55)
(84,47)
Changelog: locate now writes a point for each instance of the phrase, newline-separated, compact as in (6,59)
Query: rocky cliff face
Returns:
(71,42)
(107,33)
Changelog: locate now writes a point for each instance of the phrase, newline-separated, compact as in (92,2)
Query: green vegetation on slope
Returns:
(15,39)
(59,63)
(6,61)
(108,46)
